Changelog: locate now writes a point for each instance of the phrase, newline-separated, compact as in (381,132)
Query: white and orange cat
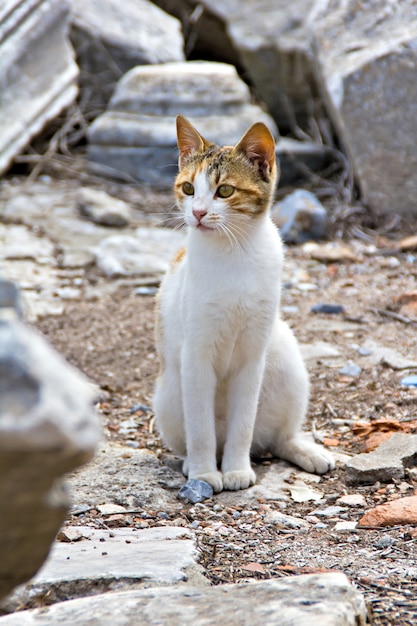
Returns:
(232,380)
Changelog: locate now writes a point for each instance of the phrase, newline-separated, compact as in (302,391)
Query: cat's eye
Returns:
(225,191)
(188,189)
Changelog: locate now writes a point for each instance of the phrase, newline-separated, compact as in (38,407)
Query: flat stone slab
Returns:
(158,555)
(386,462)
(135,479)
(101,560)
(311,600)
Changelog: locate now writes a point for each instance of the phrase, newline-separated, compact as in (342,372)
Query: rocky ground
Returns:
(290,522)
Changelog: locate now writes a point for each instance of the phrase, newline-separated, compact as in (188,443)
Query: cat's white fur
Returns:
(233,380)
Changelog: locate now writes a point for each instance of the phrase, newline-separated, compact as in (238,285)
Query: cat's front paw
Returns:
(215,479)
(238,479)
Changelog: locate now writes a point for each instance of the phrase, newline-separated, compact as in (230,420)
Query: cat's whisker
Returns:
(232,238)
(239,233)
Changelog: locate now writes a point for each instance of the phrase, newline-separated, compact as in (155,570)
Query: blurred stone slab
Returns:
(47,427)
(149,252)
(102,560)
(101,208)
(308,600)
(137,133)
(38,75)
(111,37)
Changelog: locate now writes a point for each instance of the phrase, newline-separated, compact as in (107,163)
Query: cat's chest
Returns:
(225,300)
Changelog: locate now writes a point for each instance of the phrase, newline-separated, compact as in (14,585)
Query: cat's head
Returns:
(226,188)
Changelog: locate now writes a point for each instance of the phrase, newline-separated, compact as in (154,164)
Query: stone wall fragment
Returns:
(136,135)
(38,74)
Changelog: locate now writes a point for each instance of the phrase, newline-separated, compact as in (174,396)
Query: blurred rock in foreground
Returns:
(47,428)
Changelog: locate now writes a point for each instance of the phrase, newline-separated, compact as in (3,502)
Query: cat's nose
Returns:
(199,214)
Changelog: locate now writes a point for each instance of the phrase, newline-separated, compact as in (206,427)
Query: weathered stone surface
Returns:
(300,217)
(385,463)
(394,513)
(267,38)
(38,75)
(368,75)
(102,560)
(312,600)
(138,480)
(365,74)
(101,208)
(137,136)
(111,37)
(122,255)
(47,427)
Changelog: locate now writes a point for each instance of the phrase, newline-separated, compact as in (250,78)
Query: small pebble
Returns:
(236,514)
(146,291)
(409,381)
(290,309)
(139,407)
(385,541)
(364,351)
(132,444)
(329,309)
(329,511)
(163,515)
(195,491)
(351,369)
(345,525)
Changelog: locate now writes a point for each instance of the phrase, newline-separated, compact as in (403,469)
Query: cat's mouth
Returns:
(203,228)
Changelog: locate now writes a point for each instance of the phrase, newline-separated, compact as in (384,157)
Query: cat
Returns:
(232,381)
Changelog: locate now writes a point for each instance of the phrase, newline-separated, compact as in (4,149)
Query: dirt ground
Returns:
(111,341)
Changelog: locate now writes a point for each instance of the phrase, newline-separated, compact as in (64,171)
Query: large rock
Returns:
(309,600)
(111,37)
(271,40)
(369,75)
(47,427)
(37,71)
(301,53)
(136,135)
(387,463)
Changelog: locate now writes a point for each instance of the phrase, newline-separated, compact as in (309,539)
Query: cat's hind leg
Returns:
(168,410)
(308,455)
(283,406)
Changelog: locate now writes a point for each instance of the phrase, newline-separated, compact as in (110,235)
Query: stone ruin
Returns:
(339,72)
(135,65)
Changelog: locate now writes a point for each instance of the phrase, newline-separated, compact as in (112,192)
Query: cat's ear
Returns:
(258,145)
(189,140)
